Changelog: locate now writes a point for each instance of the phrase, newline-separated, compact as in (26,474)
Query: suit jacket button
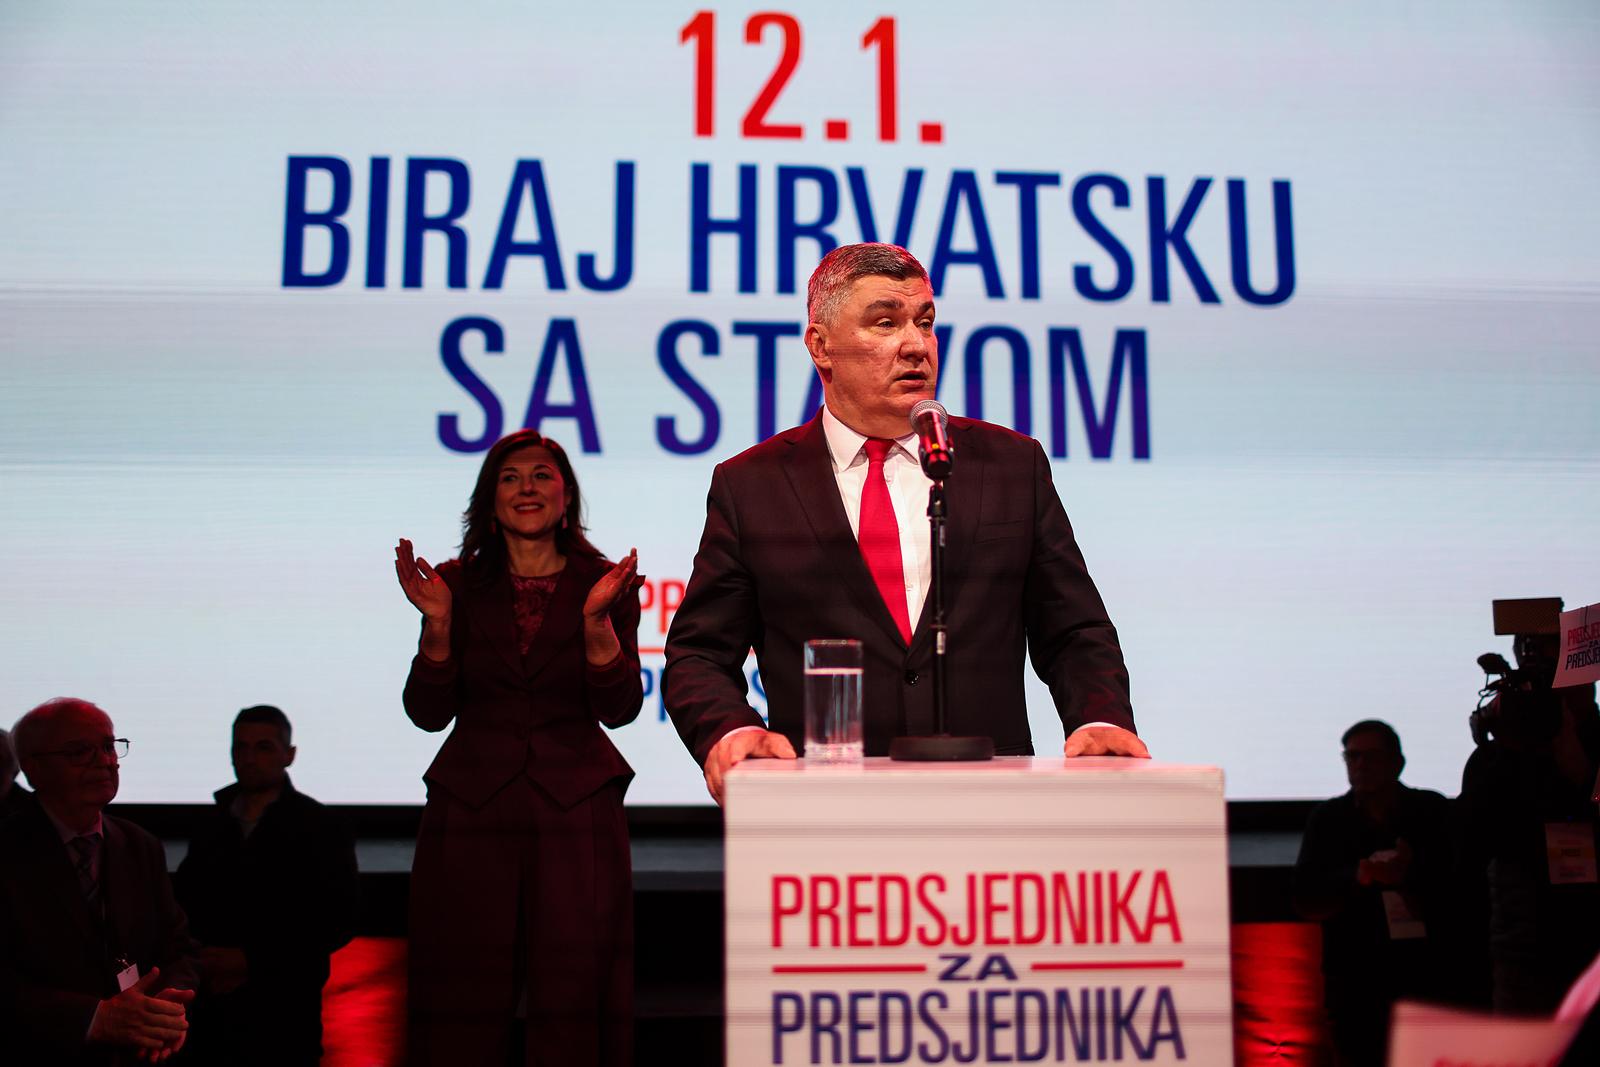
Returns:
(911,677)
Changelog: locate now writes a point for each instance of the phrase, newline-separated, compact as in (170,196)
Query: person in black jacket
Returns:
(1373,868)
(270,886)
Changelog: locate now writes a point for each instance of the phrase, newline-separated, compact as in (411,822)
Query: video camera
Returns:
(1516,703)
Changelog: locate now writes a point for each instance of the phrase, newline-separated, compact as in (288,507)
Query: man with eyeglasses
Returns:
(96,961)
(1374,868)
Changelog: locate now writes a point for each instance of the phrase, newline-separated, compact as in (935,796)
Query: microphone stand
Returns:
(941,746)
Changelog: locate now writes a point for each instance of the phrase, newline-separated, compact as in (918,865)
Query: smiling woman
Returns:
(529,645)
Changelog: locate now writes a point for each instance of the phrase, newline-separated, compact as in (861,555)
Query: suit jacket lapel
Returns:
(811,476)
(122,905)
(963,495)
(494,618)
(562,616)
(57,884)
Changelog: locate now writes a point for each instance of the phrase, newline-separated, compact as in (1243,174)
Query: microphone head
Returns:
(925,407)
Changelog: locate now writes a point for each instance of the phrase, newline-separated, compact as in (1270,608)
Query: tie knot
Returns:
(85,845)
(878,449)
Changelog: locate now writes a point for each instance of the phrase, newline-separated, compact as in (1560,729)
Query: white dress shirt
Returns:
(908,493)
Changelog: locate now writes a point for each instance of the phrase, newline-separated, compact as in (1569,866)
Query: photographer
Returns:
(1529,819)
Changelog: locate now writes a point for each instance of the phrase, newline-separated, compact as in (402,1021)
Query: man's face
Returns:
(1370,763)
(74,767)
(878,357)
(260,758)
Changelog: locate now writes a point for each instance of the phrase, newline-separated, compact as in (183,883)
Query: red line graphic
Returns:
(859,968)
(1110,965)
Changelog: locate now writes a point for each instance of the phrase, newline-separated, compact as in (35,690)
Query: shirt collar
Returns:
(66,832)
(845,444)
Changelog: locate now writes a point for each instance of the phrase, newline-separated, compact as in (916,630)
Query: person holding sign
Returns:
(521,942)
(820,532)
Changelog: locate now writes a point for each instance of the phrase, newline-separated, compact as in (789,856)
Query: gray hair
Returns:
(831,281)
(28,735)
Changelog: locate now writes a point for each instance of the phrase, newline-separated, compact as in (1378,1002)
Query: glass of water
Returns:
(833,701)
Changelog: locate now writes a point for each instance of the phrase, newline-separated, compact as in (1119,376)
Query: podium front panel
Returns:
(1025,910)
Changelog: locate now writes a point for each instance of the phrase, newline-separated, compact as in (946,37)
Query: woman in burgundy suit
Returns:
(521,947)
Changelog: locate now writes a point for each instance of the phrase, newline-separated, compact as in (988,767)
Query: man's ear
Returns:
(290,761)
(816,339)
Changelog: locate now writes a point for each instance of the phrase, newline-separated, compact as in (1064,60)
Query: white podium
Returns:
(1027,910)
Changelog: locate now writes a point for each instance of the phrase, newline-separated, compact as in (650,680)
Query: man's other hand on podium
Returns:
(746,743)
(1102,741)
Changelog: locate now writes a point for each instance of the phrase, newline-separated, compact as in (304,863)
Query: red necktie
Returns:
(879,535)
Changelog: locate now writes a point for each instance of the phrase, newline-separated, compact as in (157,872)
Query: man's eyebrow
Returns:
(894,303)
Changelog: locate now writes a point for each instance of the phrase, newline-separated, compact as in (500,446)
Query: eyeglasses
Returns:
(83,753)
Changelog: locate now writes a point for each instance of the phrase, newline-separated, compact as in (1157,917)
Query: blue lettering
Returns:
(825,1025)
(766,335)
(860,1023)
(1082,274)
(782,1024)
(378,223)
(931,1025)
(1175,237)
(562,341)
(791,230)
(702,227)
(667,357)
(1027,1053)
(1021,374)
(910,190)
(622,243)
(494,343)
(419,222)
(1239,244)
(296,217)
(1028,185)
(1122,1023)
(529,176)
(1164,1024)
(964,192)
(1100,427)
(887,1028)
(997,1023)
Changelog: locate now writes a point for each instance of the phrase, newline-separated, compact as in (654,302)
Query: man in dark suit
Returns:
(821,532)
(95,957)
(270,886)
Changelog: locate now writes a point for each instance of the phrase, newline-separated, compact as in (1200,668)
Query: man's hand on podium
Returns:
(1105,741)
(740,745)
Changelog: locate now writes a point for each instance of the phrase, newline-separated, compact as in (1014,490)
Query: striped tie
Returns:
(85,849)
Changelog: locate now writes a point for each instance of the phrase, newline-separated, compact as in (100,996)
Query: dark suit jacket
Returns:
(287,895)
(538,713)
(778,565)
(56,955)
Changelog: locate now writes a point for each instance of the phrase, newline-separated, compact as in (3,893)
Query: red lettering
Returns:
(820,911)
(933,910)
(855,908)
(1061,900)
(887,910)
(1120,910)
(965,937)
(671,597)
(1022,910)
(1162,910)
(780,910)
(993,904)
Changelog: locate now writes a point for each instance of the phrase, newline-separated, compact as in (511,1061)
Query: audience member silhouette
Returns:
(1373,868)
(270,886)
(13,796)
(96,961)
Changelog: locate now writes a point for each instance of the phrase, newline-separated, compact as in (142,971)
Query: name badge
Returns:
(1570,847)
(1403,923)
(127,974)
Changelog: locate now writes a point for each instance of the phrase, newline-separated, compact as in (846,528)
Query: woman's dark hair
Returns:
(483,549)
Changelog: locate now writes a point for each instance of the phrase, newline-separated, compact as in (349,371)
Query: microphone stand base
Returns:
(941,748)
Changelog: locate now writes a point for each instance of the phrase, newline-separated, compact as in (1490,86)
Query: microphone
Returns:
(928,422)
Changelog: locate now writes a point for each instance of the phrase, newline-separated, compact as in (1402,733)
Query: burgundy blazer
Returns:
(539,713)
(778,565)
